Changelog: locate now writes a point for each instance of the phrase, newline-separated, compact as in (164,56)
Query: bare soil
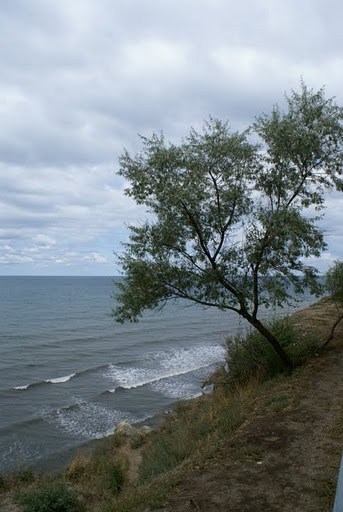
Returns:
(286,456)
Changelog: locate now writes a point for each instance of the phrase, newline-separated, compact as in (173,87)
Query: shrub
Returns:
(24,476)
(54,497)
(334,282)
(103,472)
(253,358)
(114,478)
(21,478)
(2,483)
(77,468)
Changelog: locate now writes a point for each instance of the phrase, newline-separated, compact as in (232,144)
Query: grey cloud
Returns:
(81,87)
(79,80)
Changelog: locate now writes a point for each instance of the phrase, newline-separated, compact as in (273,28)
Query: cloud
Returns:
(58,216)
(79,80)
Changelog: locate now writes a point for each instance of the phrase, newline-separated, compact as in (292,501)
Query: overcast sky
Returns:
(79,79)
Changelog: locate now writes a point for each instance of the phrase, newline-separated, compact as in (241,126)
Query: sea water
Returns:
(69,373)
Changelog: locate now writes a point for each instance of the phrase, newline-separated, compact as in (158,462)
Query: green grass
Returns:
(152,495)
(277,402)
(102,472)
(193,430)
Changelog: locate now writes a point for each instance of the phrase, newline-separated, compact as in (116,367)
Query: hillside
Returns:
(285,456)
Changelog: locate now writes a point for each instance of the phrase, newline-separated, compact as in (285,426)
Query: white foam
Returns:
(60,380)
(166,364)
(176,389)
(183,386)
(21,388)
(88,421)
(185,360)
(129,378)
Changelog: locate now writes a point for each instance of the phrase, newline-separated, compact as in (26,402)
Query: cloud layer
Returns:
(79,80)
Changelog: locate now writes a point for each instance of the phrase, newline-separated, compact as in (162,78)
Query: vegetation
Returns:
(53,497)
(230,221)
(251,358)
(334,282)
(334,286)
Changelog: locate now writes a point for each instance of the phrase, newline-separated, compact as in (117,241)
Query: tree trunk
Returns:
(287,361)
(332,332)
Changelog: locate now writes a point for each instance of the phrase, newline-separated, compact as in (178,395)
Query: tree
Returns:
(229,221)
(334,285)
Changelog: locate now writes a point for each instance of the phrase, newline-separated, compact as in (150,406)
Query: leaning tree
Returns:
(334,286)
(231,223)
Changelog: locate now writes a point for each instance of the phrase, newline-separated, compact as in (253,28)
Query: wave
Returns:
(83,420)
(114,390)
(164,365)
(56,380)
(29,386)
(151,369)
(89,420)
(184,385)
(61,380)
(24,425)
(150,380)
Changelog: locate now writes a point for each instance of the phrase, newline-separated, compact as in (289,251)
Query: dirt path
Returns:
(282,460)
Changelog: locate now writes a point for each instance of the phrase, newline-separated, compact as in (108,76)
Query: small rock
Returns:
(145,430)
(124,427)
(207,389)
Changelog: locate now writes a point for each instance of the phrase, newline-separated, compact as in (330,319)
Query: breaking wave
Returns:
(164,365)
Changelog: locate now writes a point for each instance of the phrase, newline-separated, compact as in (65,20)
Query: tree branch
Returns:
(183,295)
(197,230)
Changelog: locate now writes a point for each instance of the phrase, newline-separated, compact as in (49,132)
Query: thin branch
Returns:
(305,175)
(214,181)
(210,258)
(186,255)
(224,229)
(197,230)
(183,295)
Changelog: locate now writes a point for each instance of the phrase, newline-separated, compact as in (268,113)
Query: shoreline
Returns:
(57,462)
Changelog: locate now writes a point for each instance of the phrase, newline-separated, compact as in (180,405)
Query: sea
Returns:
(69,373)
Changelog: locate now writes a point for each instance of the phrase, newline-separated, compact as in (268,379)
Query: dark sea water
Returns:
(69,373)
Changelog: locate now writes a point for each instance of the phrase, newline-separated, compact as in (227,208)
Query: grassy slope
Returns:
(285,455)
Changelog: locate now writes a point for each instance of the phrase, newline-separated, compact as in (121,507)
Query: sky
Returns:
(80,79)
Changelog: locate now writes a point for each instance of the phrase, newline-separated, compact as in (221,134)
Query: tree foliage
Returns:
(231,221)
(334,282)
